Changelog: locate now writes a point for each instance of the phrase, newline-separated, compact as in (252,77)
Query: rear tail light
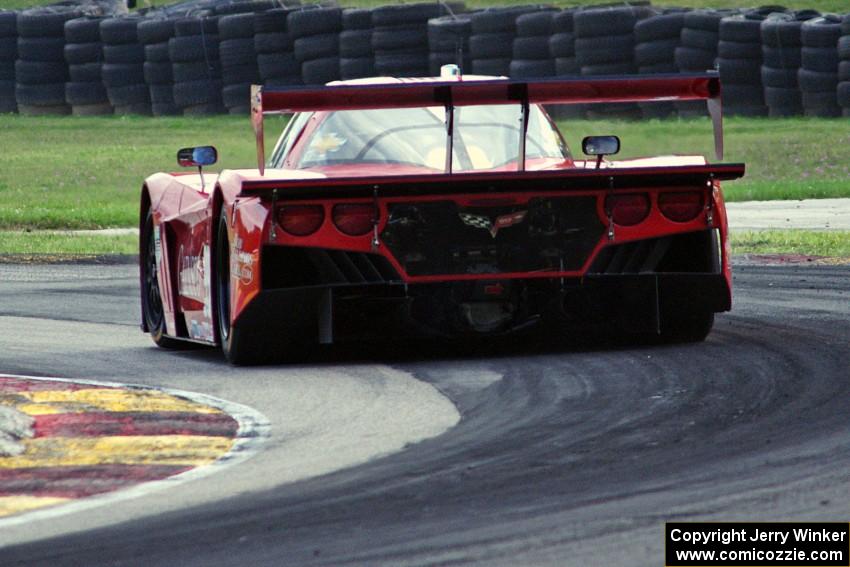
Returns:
(300,220)
(628,210)
(681,207)
(354,219)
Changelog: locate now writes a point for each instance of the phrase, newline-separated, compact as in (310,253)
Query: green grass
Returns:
(80,173)
(66,244)
(834,244)
(29,245)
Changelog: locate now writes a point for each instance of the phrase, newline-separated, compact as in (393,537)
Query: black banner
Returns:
(759,544)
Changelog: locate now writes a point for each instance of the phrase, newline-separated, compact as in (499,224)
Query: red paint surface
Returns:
(79,482)
(98,424)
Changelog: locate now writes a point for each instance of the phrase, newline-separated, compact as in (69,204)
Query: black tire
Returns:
(437,59)
(165,109)
(779,97)
(662,26)
(659,51)
(692,59)
(236,26)
(85,93)
(236,95)
(740,71)
(738,50)
(782,58)
(843,94)
(491,45)
(448,33)
(244,7)
(531,68)
(243,74)
(815,81)
(700,39)
(844,48)
(237,52)
(124,53)
(844,71)
(562,45)
(742,95)
(193,48)
(39,72)
(357,19)
(401,65)
(608,69)
(153,31)
(129,95)
(355,43)
(8,48)
(498,19)
(781,31)
(86,72)
(596,22)
(356,68)
(118,31)
(605,50)
(122,75)
(779,78)
(275,42)
(400,38)
(535,24)
(821,103)
(276,65)
(158,73)
(157,53)
(8,23)
(201,26)
(153,312)
(271,21)
(493,67)
(314,22)
(83,30)
(821,32)
(78,53)
(404,15)
(824,59)
(564,21)
(667,67)
(194,93)
(7,73)
(530,48)
(566,66)
(316,47)
(707,20)
(44,22)
(204,109)
(162,94)
(741,29)
(41,48)
(50,94)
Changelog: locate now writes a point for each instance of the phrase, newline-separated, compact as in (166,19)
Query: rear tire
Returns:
(686,325)
(152,310)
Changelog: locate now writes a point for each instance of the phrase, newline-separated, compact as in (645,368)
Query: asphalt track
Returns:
(567,453)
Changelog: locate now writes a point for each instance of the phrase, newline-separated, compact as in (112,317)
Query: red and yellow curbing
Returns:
(88,439)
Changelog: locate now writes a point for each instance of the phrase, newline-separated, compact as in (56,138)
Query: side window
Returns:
(288,137)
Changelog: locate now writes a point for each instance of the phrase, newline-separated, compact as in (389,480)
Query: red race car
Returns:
(451,205)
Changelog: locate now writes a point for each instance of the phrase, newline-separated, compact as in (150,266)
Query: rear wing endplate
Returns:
(454,93)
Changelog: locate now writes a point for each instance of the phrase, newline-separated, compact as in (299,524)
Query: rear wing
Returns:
(453,93)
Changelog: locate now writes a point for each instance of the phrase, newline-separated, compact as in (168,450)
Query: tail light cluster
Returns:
(629,209)
(352,219)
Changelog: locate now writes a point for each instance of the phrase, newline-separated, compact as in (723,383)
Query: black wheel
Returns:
(152,310)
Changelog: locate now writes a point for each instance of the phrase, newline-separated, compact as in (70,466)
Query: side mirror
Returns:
(197,157)
(600,146)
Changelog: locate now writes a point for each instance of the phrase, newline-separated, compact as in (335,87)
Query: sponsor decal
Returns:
(493,225)
(157,246)
(200,330)
(195,279)
(242,263)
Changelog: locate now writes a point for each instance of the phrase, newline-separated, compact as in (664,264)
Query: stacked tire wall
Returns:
(492,40)
(818,75)
(40,70)
(739,62)
(531,56)
(562,44)
(782,56)
(844,67)
(316,43)
(698,51)
(85,91)
(195,64)
(124,66)
(656,40)
(400,39)
(239,68)
(8,55)
(154,35)
(448,42)
(273,45)
(356,57)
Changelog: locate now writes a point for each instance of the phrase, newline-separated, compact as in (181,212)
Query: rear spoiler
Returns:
(450,94)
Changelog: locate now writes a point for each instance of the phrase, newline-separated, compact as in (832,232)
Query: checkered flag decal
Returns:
(476,221)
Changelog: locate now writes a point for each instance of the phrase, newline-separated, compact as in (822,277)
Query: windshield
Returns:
(485,137)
